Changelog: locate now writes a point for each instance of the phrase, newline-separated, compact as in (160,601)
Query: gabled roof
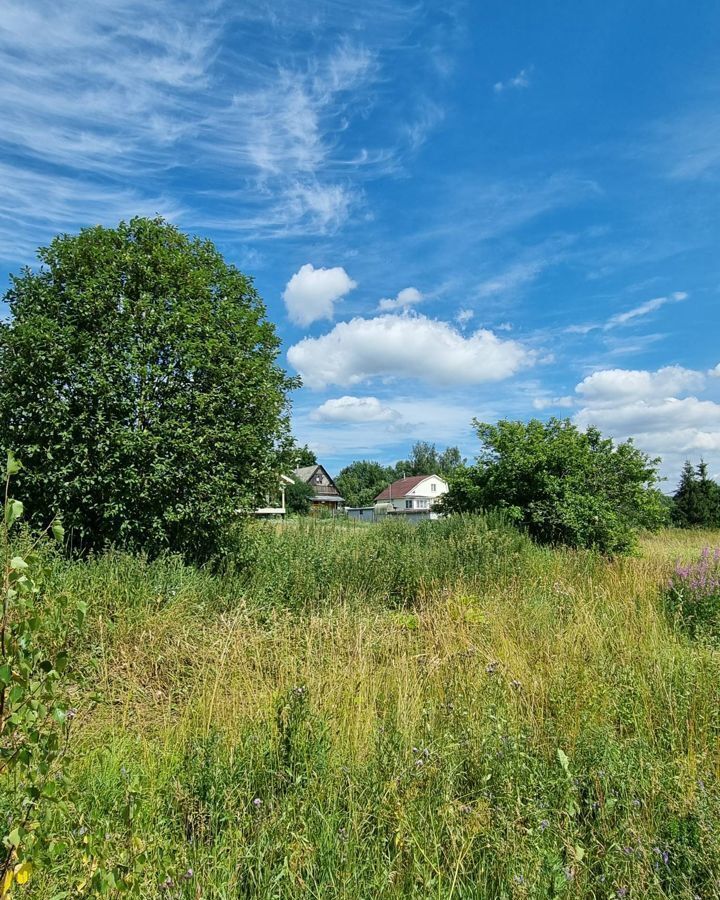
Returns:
(400,488)
(305,473)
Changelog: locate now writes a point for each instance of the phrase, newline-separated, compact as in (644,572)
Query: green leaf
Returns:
(564,761)
(17,563)
(13,510)
(13,465)
(58,532)
(5,675)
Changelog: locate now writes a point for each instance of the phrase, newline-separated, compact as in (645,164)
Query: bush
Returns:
(298,497)
(693,596)
(563,485)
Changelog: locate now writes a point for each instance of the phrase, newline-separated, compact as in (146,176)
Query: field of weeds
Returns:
(386,712)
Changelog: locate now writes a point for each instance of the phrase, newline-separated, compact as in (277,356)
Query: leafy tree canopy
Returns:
(361,481)
(139,387)
(426,460)
(564,485)
(304,456)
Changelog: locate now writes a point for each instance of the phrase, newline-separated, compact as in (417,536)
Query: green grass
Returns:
(442,711)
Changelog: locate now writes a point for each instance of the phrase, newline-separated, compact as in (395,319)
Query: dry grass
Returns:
(317,712)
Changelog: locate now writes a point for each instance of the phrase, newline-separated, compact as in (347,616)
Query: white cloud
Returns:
(644,309)
(395,346)
(127,98)
(658,409)
(311,293)
(629,315)
(553,402)
(512,278)
(612,386)
(464,316)
(355,410)
(406,298)
(521,80)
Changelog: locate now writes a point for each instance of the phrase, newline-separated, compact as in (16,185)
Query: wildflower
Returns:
(257,803)
(544,824)
(516,684)
(519,879)
(622,892)
(189,874)
(466,809)
(492,667)
(569,873)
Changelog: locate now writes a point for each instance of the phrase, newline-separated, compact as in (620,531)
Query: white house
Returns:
(412,496)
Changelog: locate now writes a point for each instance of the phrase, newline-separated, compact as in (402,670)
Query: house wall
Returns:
(322,485)
(423,495)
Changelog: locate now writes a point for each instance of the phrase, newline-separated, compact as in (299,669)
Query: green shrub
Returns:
(563,485)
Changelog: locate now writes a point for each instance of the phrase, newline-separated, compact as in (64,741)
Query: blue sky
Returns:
(451,209)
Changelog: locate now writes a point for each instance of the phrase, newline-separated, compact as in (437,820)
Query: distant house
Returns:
(274,504)
(327,496)
(413,497)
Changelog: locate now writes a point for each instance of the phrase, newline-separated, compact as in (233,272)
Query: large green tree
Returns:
(361,481)
(565,486)
(139,386)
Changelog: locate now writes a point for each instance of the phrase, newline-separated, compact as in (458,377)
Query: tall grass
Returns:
(445,711)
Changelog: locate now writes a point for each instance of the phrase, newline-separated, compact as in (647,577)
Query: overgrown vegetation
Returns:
(444,711)
(563,485)
(693,595)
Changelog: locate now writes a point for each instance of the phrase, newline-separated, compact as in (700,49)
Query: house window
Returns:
(318,478)
(422,504)
(433,486)
(408,504)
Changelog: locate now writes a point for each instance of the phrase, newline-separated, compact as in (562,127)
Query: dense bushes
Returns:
(563,485)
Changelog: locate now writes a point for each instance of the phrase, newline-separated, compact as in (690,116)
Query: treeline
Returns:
(696,502)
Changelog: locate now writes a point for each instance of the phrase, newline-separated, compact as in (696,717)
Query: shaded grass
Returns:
(436,712)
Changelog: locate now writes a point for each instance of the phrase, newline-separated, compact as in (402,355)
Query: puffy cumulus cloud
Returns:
(354,410)
(658,409)
(311,293)
(396,346)
(609,387)
(406,298)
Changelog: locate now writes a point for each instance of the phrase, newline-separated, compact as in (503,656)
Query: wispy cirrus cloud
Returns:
(239,118)
(629,315)
(517,82)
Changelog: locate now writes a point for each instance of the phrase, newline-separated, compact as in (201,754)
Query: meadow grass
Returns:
(361,712)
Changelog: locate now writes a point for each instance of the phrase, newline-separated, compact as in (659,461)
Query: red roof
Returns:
(398,489)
